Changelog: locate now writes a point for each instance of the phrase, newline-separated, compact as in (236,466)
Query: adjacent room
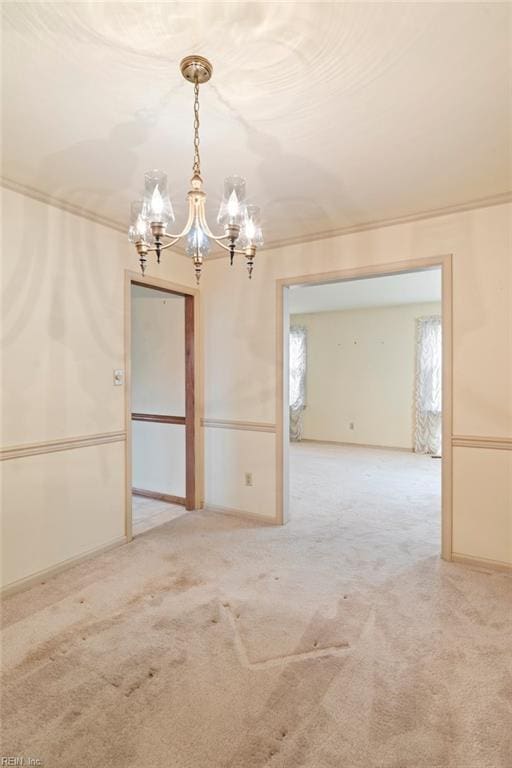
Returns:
(365,418)
(256,384)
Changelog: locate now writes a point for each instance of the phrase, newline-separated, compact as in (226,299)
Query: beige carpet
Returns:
(338,641)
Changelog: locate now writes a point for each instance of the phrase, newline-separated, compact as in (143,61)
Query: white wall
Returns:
(62,337)
(158,386)
(62,329)
(240,355)
(360,370)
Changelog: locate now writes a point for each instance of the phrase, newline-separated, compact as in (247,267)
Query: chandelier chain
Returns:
(196,168)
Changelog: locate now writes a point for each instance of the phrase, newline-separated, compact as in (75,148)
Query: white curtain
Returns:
(297,380)
(428,385)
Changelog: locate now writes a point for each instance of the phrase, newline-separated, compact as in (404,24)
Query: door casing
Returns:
(444,262)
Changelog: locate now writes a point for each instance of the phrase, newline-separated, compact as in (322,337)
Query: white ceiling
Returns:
(407,288)
(337,114)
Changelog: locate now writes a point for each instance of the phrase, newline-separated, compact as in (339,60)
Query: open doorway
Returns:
(366,399)
(161,414)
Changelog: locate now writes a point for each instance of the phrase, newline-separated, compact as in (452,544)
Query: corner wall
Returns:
(240,364)
(62,337)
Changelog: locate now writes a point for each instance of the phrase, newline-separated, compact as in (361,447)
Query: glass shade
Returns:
(250,233)
(198,244)
(139,230)
(157,205)
(232,207)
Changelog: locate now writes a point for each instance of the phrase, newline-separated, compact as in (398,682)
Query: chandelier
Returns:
(151,216)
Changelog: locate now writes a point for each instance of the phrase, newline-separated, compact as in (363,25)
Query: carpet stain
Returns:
(159,587)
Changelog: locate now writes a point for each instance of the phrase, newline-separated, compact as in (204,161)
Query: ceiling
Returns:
(337,114)
(390,290)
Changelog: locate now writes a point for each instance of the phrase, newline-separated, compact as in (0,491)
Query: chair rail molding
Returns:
(159,418)
(62,444)
(246,426)
(482,441)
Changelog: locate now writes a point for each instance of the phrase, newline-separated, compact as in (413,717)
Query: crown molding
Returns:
(64,205)
(76,210)
(432,213)
(483,202)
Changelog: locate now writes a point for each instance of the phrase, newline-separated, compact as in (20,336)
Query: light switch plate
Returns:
(118,377)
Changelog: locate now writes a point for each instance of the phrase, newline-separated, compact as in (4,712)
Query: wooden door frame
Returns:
(193,391)
(444,262)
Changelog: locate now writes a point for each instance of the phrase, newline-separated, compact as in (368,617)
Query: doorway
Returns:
(355,415)
(163,448)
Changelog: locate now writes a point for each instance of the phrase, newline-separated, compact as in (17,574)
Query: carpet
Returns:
(340,640)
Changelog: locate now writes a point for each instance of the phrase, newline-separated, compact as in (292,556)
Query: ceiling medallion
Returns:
(151,216)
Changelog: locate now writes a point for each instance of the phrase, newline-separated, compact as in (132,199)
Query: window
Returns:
(297,380)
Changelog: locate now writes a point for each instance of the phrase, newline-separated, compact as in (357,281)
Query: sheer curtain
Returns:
(428,385)
(298,349)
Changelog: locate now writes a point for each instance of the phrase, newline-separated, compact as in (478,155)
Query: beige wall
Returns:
(62,331)
(158,386)
(62,337)
(240,353)
(361,370)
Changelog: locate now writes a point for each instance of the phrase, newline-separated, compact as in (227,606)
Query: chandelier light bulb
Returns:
(157,204)
(253,225)
(250,229)
(151,216)
(233,205)
(139,231)
(141,227)
(250,234)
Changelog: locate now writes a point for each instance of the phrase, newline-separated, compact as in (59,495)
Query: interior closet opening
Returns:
(161,405)
(363,408)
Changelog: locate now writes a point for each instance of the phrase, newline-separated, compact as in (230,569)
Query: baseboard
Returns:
(482,562)
(47,573)
(354,445)
(159,496)
(240,513)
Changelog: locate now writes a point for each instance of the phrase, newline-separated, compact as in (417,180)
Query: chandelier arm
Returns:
(203,223)
(206,229)
(219,239)
(186,229)
(229,249)
(170,236)
(167,245)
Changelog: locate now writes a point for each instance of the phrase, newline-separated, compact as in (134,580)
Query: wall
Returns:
(360,369)
(158,386)
(62,336)
(240,354)
(62,327)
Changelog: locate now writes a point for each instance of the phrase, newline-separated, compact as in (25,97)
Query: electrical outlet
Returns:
(351,425)
(248,478)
